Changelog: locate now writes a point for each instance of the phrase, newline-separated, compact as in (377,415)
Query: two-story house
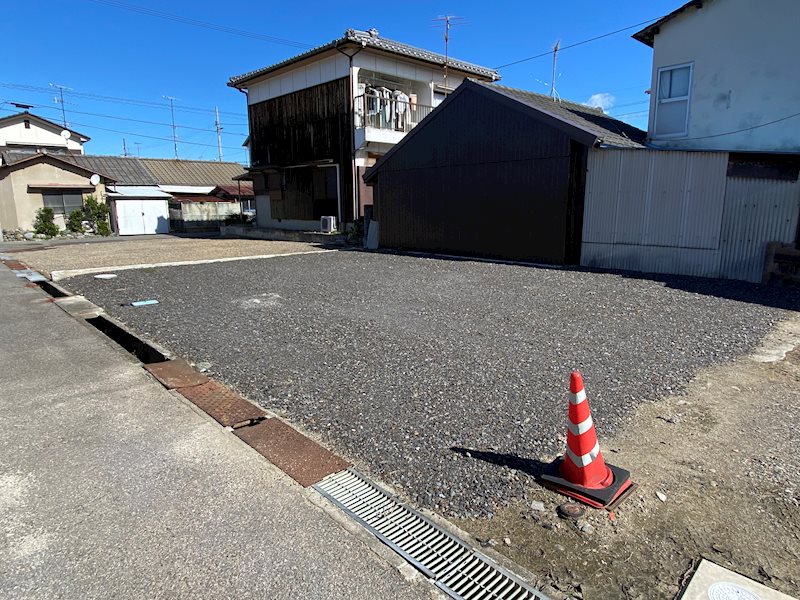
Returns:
(26,132)
(726,76)
(319,119)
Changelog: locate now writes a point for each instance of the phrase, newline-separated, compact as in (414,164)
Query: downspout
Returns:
(352,102)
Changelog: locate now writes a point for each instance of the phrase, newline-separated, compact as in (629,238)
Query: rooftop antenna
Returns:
(138,150)
(60,99)
(556,48)
(449,21)
(174,129)
(124,149)
(219,133)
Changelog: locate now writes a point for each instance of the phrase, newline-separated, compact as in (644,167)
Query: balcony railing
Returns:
(389,114)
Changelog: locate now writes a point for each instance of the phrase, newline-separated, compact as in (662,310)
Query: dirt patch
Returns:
(118,253)
(725,458)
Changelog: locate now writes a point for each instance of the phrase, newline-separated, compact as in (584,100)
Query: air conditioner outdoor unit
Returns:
(327,224)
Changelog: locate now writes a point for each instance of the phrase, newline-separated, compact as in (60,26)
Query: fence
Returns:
(681,213)
(386,113)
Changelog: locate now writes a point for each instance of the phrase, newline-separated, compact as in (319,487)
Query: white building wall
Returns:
(320,70)
(336,65)
(746,72)
(16,133)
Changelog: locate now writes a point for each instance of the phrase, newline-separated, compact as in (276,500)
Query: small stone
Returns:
(537,506)
(28,235)
(586,528)
(661,496)
(203,366)
(507,541)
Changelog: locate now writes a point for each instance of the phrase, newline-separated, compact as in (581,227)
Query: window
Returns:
(672,101)
(63,202)
(27,124)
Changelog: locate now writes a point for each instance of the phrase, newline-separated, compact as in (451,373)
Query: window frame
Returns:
(687,98)
(63,208)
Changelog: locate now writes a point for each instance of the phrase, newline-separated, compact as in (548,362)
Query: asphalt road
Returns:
(404,364)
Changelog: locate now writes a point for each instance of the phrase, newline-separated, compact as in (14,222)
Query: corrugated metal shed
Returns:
(676,212)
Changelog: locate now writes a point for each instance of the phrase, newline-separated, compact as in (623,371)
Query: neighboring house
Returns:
(726,76)
(495,172)
(138,191)
(29,182)
(25,132)
(319,119)
(196,203)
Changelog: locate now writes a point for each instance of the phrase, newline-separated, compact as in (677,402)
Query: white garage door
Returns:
(138,217)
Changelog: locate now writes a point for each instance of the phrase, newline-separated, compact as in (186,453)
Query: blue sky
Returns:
(100,49)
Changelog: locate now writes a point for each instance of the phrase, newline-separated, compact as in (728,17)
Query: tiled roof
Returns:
(608,130)
(371,39)
(245,188)
(191,172)
(126,171)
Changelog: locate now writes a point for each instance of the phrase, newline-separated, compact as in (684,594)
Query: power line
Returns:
(132,120)
(716,135)
(117,99)
(204,24)
(581,43)
(141,135)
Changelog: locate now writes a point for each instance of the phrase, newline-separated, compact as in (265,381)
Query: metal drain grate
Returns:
(455,567)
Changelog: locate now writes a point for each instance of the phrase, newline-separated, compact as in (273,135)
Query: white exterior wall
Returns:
(746,72)
(320,70)
(336,65)
(16,133)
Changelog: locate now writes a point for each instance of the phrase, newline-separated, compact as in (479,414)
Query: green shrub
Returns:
(97,215)
(43,223)
(75,221)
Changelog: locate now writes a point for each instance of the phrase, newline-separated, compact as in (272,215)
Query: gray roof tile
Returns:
(610,131)
(191,172)
(368,40)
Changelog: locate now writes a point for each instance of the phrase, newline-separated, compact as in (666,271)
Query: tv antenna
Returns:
(219,132)
(60,100)
(174,129)
(556,48)
(449,21)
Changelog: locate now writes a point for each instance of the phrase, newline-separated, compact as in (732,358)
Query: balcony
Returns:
(385,119)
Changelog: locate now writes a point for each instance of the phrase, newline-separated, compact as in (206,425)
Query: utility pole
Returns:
(219,133)
(556,48)
(174,129)
(60,99)
(124,149)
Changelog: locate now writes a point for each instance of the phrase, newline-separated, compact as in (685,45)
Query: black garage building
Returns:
(494,172)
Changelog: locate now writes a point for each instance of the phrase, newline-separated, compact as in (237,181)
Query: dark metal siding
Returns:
(309,125)
(481,180)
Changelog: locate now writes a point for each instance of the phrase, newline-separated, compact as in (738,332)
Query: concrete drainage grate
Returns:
(456,568)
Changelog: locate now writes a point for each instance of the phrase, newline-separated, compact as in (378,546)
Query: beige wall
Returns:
(16,133)
(18,206)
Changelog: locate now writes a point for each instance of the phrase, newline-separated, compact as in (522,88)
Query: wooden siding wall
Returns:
(483,180)
(314,124)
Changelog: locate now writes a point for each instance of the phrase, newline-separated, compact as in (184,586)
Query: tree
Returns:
(97,215)
(75,221)
(43,223)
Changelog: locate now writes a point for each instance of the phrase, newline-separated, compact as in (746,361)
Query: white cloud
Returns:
(602,100)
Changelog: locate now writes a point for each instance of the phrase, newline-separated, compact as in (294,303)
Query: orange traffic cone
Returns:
(582,473)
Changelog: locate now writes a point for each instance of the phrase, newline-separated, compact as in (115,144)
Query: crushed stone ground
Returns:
(405,364)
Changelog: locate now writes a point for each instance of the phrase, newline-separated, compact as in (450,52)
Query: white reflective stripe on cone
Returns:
(585,459)
(582,427)
(577,398)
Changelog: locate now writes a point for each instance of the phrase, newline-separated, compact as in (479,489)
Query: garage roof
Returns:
(137,191)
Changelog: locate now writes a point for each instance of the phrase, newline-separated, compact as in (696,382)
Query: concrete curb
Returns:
(64,274)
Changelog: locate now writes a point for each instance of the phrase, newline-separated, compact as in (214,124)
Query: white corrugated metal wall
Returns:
(676,212)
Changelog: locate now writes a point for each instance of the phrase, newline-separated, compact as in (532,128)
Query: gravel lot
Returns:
(118,252)
(397,362)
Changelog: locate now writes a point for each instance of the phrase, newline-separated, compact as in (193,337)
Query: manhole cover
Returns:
(723,590)
(176,373)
